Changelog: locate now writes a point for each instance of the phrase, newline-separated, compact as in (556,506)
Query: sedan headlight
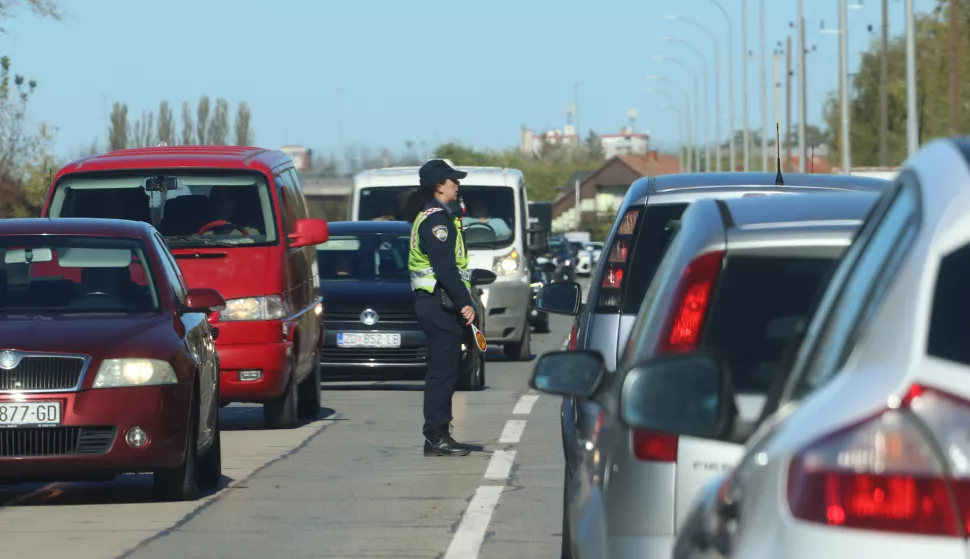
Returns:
(506,265)
(269,307)
(116,373)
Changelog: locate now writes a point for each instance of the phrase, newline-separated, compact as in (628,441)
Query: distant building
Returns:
(624,143)
(302,156)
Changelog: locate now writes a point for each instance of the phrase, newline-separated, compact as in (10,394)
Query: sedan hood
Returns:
(88,335)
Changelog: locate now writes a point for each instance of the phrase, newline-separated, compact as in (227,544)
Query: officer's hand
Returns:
(468,313)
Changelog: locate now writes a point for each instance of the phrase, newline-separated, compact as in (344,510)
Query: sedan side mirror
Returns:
(568,373)
(308,232)
(563,297)
(482,277)
(538,240)
(689,394)
(204,300)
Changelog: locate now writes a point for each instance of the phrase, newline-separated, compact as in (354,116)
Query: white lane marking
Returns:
(471,531)
(512,432)
(524,407)
(500,466)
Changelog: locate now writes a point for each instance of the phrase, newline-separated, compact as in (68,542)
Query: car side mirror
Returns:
(204,300)
(568,373)
(538,240)
(482,277)
(688,394)
(308,231)
(563,297)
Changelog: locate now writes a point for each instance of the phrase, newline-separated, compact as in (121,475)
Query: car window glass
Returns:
(761,303)
(949,328)
(296,193)
(862,292)
(652,240)
(172,270)
(286,205)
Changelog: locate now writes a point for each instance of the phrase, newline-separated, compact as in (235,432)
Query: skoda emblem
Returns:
(369,317)
(10,359)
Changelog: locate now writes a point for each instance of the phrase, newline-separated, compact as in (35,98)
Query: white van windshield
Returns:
(490,211)
(204,209)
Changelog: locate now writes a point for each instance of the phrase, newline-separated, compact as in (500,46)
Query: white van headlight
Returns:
(506,265)
(269,307)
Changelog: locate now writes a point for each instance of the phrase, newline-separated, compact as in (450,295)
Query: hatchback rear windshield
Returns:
(760,305)
(364,257)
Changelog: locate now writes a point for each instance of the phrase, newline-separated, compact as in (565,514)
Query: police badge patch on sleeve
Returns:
(441,232)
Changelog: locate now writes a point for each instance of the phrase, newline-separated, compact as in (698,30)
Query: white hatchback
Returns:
(865,449)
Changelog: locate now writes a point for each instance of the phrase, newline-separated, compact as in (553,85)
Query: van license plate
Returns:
(355,339)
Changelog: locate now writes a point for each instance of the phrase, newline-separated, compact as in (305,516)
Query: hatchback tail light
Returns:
(683,327)
(905,470)
(610,296)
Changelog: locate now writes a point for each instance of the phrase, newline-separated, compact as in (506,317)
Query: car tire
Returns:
(542,327)
(181,483)
(473,372)
(209,470)
(522,350)
(567,550)
(308,408)
(280,412)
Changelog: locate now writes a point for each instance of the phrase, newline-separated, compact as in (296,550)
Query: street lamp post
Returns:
(730,55)
(707,106)
(685,113)
(912,123)
(692,122)
(717,86)
(746,134)
(697,111)
(802,90)
(680,113)
(844,78)
(764,88)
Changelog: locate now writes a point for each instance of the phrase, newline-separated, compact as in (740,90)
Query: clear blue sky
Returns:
(426,71)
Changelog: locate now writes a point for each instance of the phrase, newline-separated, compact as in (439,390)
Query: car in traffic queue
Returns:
(370,328)
(560,253)
(740,277)
(862,450)
(107,361)
(645,225)
(236,220)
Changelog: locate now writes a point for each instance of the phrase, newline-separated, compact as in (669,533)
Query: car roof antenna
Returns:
(779,180)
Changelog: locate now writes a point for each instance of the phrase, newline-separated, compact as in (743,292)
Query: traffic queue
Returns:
(757,353)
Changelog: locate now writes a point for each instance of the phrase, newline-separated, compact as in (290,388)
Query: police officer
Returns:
(438,262)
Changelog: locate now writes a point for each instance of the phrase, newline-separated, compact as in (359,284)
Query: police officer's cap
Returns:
(436,171)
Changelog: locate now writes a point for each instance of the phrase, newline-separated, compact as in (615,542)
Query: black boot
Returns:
(443,445)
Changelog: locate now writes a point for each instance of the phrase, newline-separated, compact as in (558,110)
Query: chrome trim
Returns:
(86,359)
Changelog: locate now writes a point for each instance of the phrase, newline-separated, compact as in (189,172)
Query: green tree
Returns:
(118,131)
(244,131)
(187,124)
(218,134)
(202,121)
(166,124)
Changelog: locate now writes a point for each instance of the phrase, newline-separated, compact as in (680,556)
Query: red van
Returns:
(236,221)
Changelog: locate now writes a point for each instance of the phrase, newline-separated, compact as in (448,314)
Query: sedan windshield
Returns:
(216,208)
(364,257)
(75,274)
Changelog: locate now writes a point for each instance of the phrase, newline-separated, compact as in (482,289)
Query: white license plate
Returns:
(30,413)
(365,339)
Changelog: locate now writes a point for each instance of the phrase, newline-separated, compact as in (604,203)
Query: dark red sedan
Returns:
(107,361)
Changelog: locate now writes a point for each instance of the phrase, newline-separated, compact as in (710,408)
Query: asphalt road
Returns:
(353,484)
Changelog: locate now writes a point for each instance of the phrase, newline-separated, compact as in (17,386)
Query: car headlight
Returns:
(115,373)
(269,307)
(506,265)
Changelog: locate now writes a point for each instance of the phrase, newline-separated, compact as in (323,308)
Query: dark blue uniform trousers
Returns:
(444,331)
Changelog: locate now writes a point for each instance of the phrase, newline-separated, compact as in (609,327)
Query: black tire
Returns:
(567,550)
(181,483)
(280,412)
(209,469)
(542,327)
(521,351)
(308,406)
(472,372)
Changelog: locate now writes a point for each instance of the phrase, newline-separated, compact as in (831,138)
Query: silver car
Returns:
(634,248)
(739,278)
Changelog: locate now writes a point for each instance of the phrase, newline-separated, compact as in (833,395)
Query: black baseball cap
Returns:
(436,171)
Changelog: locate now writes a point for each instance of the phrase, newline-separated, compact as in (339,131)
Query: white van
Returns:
(497,234)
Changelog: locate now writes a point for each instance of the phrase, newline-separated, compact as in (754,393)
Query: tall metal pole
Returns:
(746,134)
(802,90)
(707,104)
(579,212)
(954,32)
(775,59)
(844,74)
(730,68)
(692,148)
(685,111)
(912,118)
(884,89)
(788,79)
(764,87)
(717,83)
